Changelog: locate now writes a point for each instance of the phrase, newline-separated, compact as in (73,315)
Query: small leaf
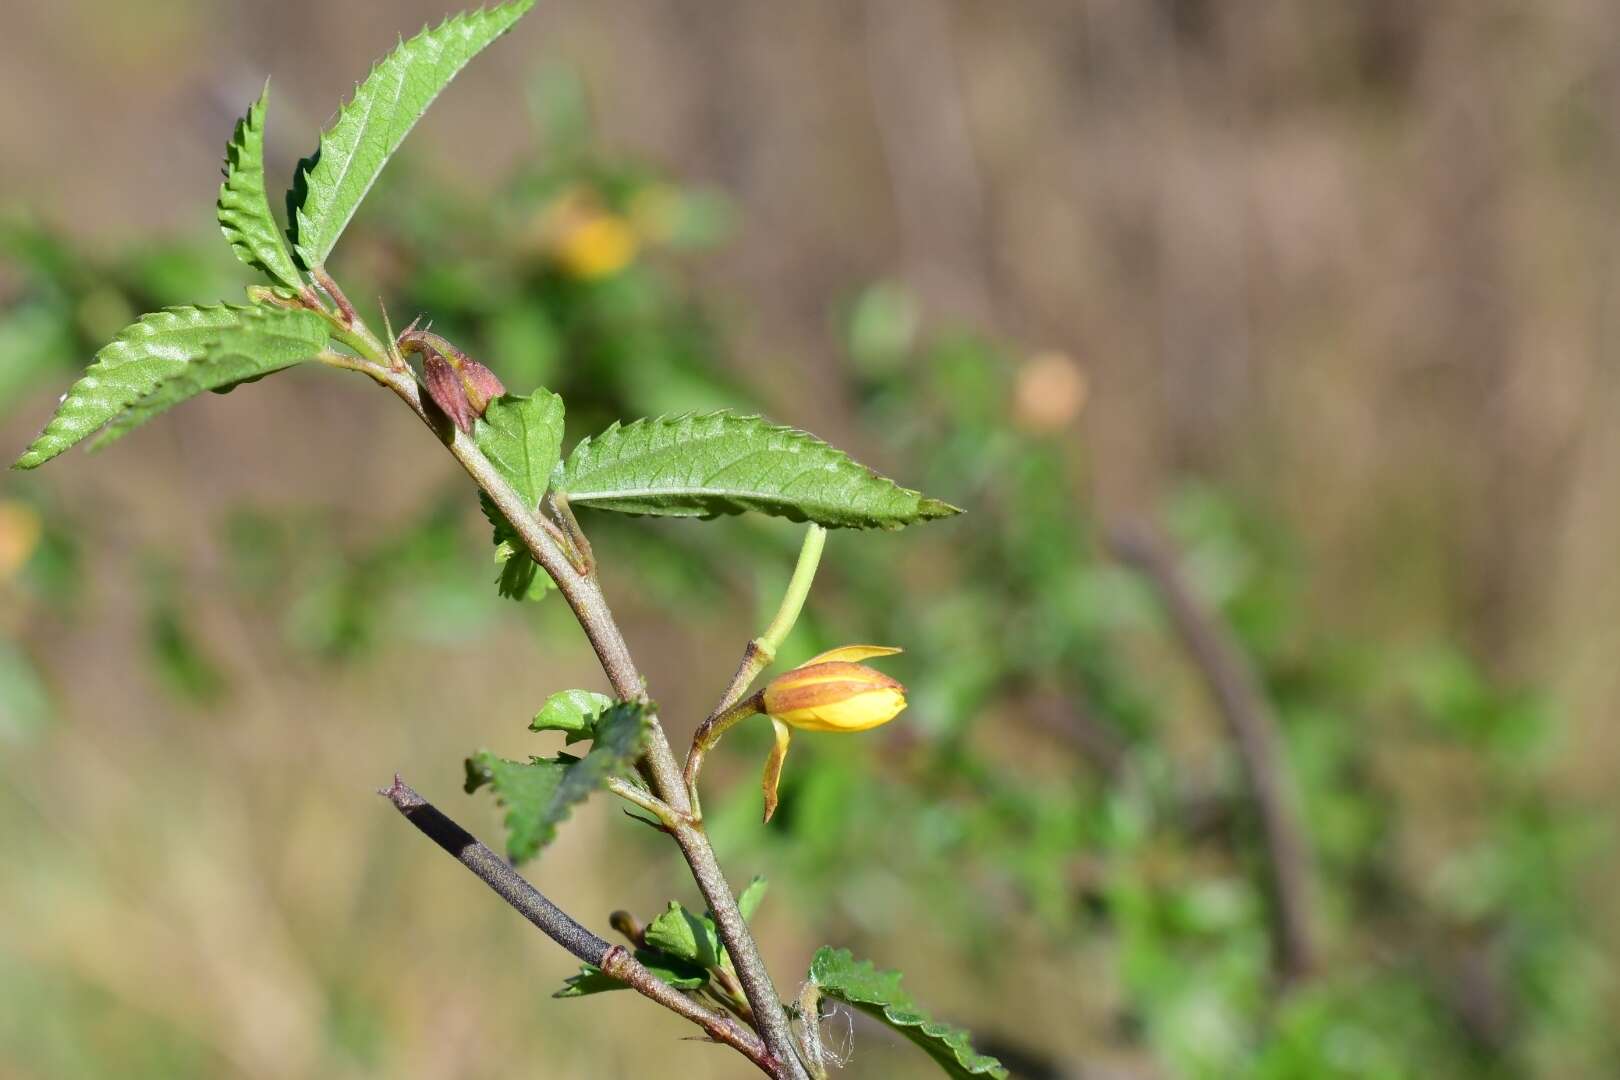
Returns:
(878,994)
(528,791)
(520,577)
(572,711)
(522,437)
(680,975)
(540,793)
(169,356)
(748,900)
(685,936)
(352,153)
(244,208)
(720,463)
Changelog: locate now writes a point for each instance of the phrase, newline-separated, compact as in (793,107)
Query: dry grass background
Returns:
(1358,262)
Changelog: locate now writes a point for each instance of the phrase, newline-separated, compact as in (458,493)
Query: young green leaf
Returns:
(695,938)
(522,437)
(332,183)
(169,356)
(520,577)
(539,794)
(528,791)
(686,936)
(720,463)
(591,980)
(244,209)
(574,712)
(878,994)
(748,900)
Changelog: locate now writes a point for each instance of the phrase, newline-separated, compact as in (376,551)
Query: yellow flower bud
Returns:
(835,694)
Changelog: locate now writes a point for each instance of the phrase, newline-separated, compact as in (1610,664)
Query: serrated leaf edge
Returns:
(248,202)
(582,458)
(300,223)
(108,360)
(903,1014)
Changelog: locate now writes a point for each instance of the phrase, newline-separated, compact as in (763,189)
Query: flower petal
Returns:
(773,766)
(852,654)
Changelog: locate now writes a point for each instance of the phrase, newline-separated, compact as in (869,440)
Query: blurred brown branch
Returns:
(1253,729)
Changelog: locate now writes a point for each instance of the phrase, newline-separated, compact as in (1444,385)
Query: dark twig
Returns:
(1249,718)
(552,921)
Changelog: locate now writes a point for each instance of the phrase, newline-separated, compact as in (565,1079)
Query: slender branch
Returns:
(646,800)
(1248,717)
(584,597)
(761,651)
(552,921)
(810,1028)
(707,734)
(798,590)
(350,328)
(330,287)
(345,362)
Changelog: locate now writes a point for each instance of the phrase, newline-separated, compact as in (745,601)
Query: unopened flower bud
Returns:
(830,693)
(445,387)
(481,384)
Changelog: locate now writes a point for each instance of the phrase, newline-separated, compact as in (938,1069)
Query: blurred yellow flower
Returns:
(20,530)
(596,247)
(583,238)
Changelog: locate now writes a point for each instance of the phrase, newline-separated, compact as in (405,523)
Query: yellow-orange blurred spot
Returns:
(596,247)
(20,529)
(1050,393)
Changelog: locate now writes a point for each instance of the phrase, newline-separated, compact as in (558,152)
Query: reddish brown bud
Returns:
(481,384)
(446,390)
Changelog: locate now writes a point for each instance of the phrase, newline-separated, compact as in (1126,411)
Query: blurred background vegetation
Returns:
(1321,294)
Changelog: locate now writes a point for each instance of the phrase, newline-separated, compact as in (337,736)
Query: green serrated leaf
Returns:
(267,340)
(686,936)
(244,208)
(539,794)
(749,899)
(169,356)
(520,577)
(878,994)
(720,463)
(528,791)
(522,437)
(332,183)
(680,975)
(574,712)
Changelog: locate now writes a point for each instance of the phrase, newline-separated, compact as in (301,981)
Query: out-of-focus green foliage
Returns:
(1057,774)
